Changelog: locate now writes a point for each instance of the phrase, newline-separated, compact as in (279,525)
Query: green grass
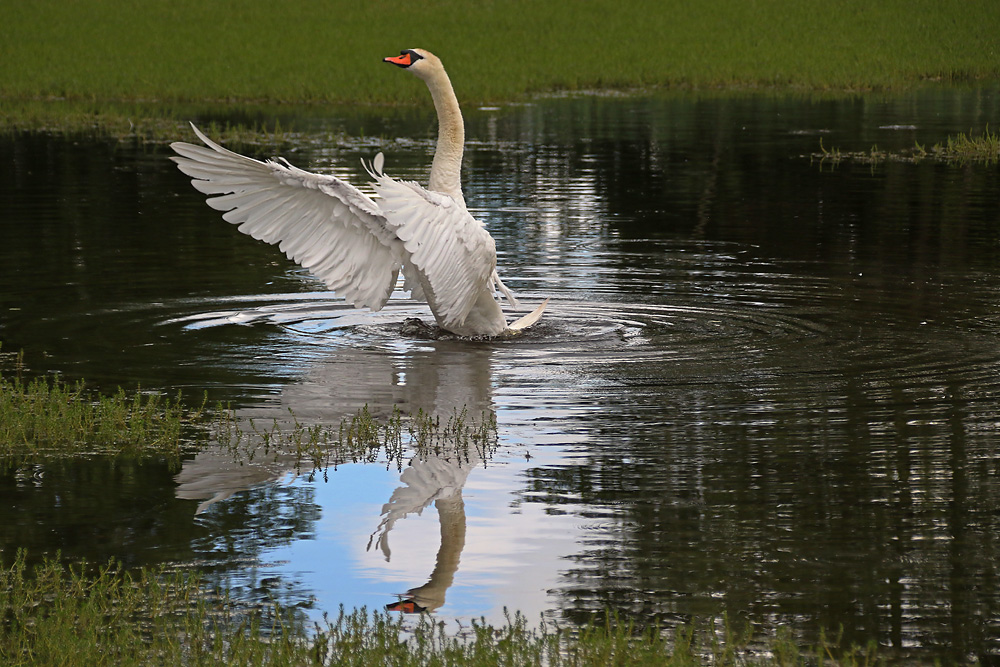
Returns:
(80,615)
(46,416)
(57,614)
(149,123)
(91,56)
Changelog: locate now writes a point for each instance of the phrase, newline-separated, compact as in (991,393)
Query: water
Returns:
(764,386)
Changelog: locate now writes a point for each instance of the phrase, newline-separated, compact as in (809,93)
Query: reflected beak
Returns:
(405,606)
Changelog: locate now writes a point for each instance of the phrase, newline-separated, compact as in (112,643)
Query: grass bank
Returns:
(54,614)
(93,56)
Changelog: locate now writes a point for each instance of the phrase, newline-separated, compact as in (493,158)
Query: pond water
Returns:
(764,386)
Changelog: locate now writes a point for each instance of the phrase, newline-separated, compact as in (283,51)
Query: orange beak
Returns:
(403,60)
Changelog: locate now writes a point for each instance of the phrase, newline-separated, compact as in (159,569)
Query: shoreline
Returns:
(160,122)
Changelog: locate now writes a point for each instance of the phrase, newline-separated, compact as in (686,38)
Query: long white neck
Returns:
(446,170)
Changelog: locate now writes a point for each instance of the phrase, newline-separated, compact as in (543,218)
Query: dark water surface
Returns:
(764,386)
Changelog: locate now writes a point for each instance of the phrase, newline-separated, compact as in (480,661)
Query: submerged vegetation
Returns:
(54,614)
(91,64)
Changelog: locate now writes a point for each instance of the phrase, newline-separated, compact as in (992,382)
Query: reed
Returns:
(82,615)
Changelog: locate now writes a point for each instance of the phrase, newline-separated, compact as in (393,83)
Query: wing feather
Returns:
(319,221)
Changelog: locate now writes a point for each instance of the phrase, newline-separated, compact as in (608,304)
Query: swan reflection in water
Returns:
(439,479)
(439,378)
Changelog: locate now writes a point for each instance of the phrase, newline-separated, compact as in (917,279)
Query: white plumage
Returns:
(358,245)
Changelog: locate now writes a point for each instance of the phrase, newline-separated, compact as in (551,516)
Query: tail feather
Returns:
(529,319)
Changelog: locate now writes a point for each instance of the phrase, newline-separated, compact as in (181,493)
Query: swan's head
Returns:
(418,61)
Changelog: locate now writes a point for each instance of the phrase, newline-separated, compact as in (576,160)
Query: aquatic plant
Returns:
(85,615)
(964,148)
(960,149)
(58,614)
(50,415)
(361,437)
(832,155)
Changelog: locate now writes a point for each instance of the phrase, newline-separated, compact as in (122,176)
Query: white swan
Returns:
(356,245)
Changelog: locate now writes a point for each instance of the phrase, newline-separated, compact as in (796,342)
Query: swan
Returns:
(357,245)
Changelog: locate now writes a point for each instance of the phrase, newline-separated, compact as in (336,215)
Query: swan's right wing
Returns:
(319,221)
(451,248)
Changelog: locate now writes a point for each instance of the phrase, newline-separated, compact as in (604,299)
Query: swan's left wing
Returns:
(323,223)
(452,249)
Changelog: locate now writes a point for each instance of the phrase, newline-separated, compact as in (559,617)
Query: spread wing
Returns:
(319,221)
(452,250)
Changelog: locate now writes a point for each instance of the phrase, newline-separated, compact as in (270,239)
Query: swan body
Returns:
(358,245)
